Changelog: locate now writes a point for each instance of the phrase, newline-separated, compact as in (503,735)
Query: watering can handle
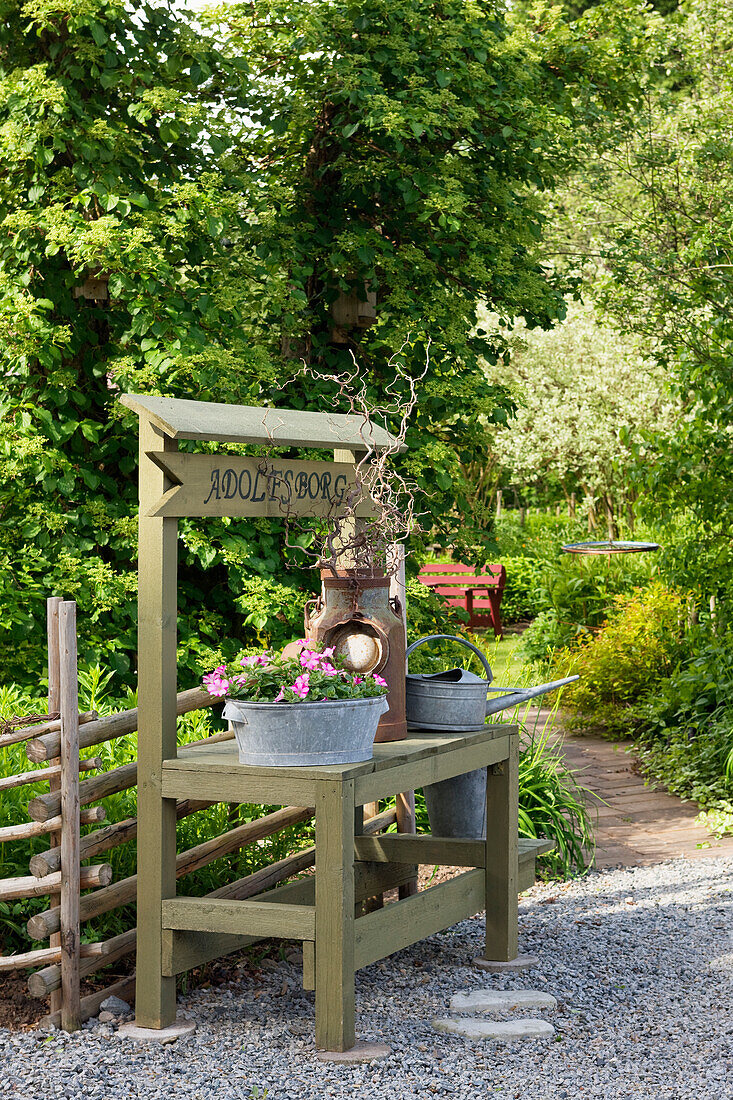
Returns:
(452,638)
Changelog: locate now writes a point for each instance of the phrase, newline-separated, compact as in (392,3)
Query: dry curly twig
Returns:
(378,508)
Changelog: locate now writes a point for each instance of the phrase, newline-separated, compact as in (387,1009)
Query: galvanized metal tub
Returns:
(286,735)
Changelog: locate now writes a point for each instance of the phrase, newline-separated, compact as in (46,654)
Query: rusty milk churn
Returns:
(356,616)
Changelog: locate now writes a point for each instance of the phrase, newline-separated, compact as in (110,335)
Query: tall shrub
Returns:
(624,661)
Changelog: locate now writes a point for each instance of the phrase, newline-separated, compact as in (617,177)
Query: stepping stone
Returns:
(490,1000)
(522,962)
(360,1052)
(507,1030)
(162,1035)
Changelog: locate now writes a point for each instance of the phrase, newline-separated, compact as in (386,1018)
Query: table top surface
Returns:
(223,757)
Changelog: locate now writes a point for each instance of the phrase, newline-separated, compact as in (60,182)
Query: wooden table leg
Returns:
(335,916)
(502,857)
(155,996)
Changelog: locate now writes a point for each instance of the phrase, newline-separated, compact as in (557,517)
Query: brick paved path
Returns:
(635,823)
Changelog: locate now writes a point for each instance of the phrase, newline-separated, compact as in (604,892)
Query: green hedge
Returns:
(525,594)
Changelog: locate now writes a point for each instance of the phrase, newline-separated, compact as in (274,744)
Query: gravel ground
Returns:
(639,959)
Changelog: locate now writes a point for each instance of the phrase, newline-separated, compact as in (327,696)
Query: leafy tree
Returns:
(113,216)
(182,206)
(396,154)
(400,150)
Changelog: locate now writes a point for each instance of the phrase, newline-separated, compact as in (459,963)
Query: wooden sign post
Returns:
(173,485)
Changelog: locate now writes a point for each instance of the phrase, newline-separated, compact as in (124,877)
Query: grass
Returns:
(506,664)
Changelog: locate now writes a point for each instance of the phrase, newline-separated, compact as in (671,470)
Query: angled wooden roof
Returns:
(208,420)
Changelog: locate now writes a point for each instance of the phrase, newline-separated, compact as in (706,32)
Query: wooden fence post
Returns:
(70,867)
(54,708)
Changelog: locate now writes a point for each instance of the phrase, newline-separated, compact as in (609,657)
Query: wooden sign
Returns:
(232,485)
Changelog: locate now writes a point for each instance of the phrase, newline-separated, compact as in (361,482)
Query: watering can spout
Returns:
(514,697)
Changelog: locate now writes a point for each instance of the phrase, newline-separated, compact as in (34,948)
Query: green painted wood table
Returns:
(323,911)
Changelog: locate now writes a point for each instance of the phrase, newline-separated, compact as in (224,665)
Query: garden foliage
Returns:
(623,662)
(552,804)
(686,740)
(183,198)
(565,595)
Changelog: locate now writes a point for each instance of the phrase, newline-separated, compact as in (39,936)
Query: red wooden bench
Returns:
(477,593)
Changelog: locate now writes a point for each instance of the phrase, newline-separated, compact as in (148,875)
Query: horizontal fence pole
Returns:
(52,726)
(32,887)
(41,775)
(91,1004)
(45,981)
(101,840)
(258,881)
(266,877)
(91,815)
(47,747)
(42,925)
(45,806)
(44,955)
(249,833)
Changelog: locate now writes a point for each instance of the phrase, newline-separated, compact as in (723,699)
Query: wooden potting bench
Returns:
(323,911)
(177,933)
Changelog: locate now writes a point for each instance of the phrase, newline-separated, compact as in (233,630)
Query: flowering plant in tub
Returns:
(299,710)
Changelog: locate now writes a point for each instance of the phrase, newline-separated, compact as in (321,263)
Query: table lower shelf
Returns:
(199,929)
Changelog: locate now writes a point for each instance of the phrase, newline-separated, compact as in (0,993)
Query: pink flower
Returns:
(254,659)
(279,697)
(309,659)
(328,670)
(378,680)
(215,683)
(301,687)
(358,679)
(326,653)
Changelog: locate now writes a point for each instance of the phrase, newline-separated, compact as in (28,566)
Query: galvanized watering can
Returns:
(457,699)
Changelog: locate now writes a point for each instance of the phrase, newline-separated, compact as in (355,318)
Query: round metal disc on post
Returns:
(609,547)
